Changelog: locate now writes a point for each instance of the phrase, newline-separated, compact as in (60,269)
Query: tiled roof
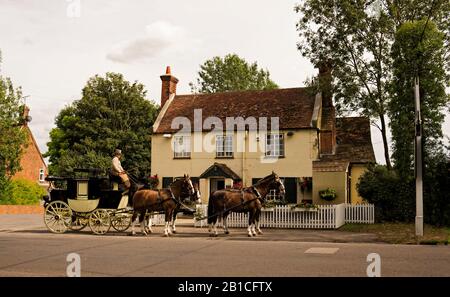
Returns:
(353,145)
(294,107)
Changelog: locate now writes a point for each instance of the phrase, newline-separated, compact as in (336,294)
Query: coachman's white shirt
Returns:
(116,166)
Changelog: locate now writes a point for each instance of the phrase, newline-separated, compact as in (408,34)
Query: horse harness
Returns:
(160,200)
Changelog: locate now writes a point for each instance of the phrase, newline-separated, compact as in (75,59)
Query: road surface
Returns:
(28,249)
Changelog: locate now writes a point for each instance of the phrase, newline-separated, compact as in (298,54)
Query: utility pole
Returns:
(418,164)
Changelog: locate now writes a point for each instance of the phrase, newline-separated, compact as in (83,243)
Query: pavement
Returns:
(28,249)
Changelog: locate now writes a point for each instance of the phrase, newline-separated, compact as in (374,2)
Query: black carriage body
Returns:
(85,188)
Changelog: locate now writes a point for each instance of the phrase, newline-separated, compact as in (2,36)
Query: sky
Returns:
(52,47)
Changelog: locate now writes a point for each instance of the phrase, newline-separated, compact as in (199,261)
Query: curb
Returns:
(21,209)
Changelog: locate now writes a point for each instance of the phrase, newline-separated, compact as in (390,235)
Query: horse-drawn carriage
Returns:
(88,198)
(97,201)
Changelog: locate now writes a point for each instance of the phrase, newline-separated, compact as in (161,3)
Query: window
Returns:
(275,145)
(41,175)
(182,146)
(166,181)
(224,146)
(272,195)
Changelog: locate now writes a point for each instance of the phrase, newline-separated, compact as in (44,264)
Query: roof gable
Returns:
(219,169)
(354,145)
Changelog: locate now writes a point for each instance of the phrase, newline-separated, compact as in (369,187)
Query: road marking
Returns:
(321,250)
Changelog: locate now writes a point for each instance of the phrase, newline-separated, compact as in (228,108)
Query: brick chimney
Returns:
(26,118)
(325,69)
(328,124)
(169,85)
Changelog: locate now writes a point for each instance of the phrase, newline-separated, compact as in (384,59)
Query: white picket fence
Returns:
(360,213)
(326,217)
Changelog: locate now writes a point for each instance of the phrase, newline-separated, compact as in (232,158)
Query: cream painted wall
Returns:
(300,150)
(334,180)
(356,171)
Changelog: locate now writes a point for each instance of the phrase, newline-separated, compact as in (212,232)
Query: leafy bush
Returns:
(328,194)
(395,198)
(22,192)
(436,192)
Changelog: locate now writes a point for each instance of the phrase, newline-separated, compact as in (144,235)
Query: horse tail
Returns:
(211,218)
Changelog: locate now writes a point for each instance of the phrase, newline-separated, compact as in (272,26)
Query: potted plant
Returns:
(303,206)
(270,205)
(199,214)
(328,194)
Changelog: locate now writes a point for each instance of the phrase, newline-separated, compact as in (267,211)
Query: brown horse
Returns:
(248,200)
(164,200)
(195,197)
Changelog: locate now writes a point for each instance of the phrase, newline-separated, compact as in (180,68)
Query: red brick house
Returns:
(32,162)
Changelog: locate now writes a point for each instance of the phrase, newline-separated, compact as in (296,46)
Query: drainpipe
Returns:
(244,159)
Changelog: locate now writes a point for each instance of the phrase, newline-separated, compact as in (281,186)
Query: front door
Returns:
(290,184)
(216,184)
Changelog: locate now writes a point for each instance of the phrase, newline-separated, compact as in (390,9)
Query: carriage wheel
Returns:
(78,223)
(57,216)
(99,221)
(121,222)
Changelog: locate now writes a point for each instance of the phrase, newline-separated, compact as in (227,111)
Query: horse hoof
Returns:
(215,235)
(166,235)
(227,232)
(250,235)
(260,232)
(131,234)
(174,231)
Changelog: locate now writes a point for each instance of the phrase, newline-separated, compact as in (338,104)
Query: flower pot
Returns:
(301,209)
(268,209)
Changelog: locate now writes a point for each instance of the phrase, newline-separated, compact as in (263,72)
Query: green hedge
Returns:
(395,198)
(22,192)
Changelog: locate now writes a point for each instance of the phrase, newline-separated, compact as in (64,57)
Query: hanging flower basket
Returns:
(328,194)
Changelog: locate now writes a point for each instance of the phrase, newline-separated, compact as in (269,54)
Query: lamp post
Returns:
(418,164)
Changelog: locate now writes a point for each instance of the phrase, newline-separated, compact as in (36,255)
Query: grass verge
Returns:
(402,233)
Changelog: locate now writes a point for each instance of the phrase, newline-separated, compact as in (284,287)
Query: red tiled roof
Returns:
(353,145)
(293,106)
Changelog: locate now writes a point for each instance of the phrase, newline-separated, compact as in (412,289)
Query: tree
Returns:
(357,36)
(418,51)
(13,138)
(231,73)
(112,113)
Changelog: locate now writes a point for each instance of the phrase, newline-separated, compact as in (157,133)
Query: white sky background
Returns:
(52,55)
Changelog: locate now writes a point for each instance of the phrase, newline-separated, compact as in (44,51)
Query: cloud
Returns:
(158,37)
